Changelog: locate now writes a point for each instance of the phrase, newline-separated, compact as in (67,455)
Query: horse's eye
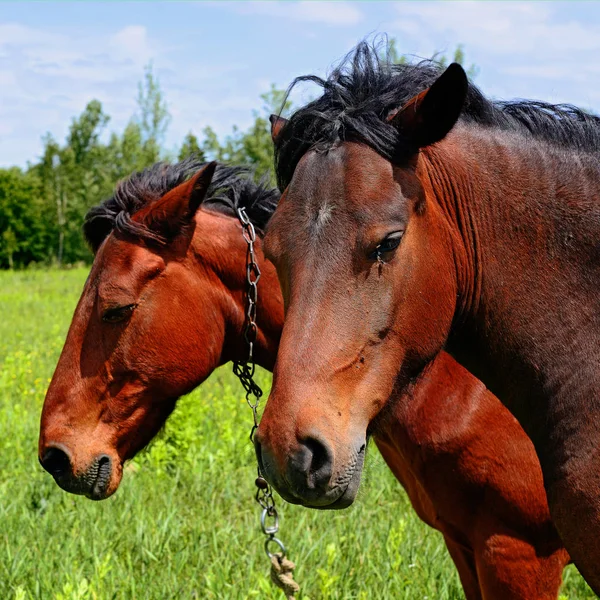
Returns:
(118,314)
(389,243)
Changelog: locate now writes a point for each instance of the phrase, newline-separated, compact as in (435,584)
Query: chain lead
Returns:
(244,370)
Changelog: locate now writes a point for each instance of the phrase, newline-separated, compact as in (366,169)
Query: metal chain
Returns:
(244,370)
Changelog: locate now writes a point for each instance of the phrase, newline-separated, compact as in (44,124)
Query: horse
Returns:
(416,216)
(164,306)
(163,265)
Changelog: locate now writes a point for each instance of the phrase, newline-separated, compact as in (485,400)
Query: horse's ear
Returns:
(430,115)
(178,206)
(199,184)
(277,124)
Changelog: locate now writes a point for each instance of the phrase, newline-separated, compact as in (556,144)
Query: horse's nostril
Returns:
(56,462)
(104,466)
(314,463)
(321,457)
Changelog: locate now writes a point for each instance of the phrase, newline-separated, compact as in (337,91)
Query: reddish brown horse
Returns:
(162,269)
(418,215)
(163,307)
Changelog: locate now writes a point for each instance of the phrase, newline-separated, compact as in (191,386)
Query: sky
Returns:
(214,59)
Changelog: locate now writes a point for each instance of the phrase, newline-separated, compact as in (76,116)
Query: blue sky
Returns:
(214,59)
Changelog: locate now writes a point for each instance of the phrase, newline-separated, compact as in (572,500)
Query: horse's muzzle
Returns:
(93,482)
(309,477)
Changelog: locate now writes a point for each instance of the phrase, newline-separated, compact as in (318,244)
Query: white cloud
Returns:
(46,78)
(49,73)
(554,71)
(131,42)
(526,49)
(499,28)
(15,34)
(328,13)
(502,28)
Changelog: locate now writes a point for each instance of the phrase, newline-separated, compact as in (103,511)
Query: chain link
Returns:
(244,370)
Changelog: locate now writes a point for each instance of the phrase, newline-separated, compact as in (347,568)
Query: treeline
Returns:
(42,207)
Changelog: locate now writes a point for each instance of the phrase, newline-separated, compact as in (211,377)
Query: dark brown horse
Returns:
(417,215)
(163,307)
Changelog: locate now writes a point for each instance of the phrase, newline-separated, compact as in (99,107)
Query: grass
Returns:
(184,523)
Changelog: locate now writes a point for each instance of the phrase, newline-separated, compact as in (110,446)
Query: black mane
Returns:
(231,187)
(361,92)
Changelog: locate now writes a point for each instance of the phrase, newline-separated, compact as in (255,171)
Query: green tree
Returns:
(41,210)
(190,147)
(153,115)
(9,246)
(51,174)
(458,57)
(84,170)
(126,152)
(254,146)
(392,54)
(25,230)
(75,177)
(85,131)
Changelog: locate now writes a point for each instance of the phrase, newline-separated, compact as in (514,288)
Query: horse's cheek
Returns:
(424,282)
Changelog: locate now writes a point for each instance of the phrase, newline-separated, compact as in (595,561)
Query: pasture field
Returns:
(184,523)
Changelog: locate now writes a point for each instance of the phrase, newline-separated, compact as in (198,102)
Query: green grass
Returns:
(184,523)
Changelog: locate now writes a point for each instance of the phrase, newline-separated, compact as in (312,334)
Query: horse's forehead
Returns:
(120,264)
(347,173)
(344,183)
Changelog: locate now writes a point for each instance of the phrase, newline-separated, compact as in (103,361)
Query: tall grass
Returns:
(184,523)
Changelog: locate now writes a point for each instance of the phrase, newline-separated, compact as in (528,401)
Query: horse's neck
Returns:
(228,261)
(528,218)
(434,409)
(269,312)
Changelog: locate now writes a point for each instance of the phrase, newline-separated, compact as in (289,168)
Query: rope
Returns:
(282,575)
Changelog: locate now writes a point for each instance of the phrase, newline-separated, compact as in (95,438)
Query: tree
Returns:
(85,131)
(43,207)
(153,117)
(25,230)
(84,170)
(253,147)
(75,177)
(458,57)
(126,152)
(9,246)
(52,180)
(392,54)
(190,147)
